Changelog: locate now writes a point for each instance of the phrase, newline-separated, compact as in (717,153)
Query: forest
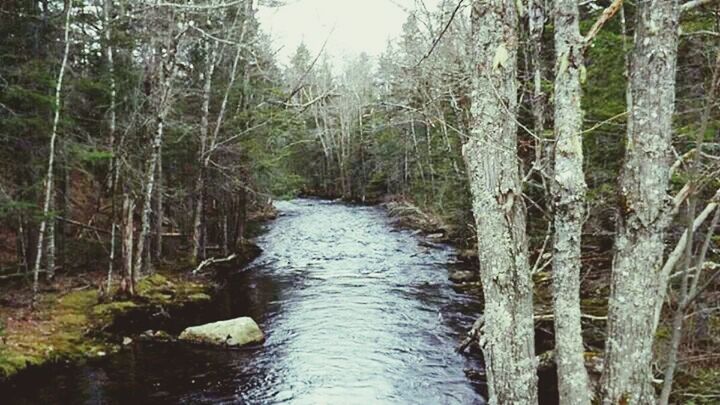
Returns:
(541,176)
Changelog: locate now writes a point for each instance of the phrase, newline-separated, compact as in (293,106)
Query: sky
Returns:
(353,26)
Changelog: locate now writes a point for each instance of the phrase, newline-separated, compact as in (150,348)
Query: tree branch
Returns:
(607,14)
(694,4)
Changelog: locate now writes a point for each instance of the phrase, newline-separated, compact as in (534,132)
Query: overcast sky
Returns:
(354,26)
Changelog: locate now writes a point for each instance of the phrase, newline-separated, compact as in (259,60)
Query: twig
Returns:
(442,33)
(213,260)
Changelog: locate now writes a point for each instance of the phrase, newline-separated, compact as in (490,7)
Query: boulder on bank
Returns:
(233,332)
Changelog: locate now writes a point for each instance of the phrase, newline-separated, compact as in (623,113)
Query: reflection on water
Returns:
(354,311)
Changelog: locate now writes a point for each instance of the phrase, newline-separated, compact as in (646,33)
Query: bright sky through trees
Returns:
(356,25)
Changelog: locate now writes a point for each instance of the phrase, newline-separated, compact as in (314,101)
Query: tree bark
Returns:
(112,124)
(159,216)
(491,158)
(128,284)
(149,184)
(637,279)
(49,179)
(569,191)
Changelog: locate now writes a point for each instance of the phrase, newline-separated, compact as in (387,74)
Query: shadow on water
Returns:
(353,312)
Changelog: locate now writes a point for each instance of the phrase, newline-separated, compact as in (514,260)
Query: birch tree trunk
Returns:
(569,191)
(498,207)
(112,179)
(49,179)
(637,280)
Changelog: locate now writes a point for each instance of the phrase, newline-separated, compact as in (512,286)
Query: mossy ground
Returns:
(64,326)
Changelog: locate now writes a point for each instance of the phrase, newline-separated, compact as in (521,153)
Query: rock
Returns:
(462,276)
(155,336)
(162,336)
(233,332)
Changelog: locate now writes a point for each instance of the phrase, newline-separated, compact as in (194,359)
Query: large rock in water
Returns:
(233,332)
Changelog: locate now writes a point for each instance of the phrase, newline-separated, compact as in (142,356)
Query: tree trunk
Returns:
(569,191)
(637,280)
(498,207)
(149,184)
(128,284)
(50,246)
(49,179)
(112,124)
(157,252)
(536,23)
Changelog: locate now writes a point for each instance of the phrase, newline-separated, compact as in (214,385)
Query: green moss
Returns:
(61,324)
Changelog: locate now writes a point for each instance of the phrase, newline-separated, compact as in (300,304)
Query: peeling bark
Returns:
(491,158)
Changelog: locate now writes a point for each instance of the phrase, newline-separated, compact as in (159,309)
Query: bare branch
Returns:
(694,4)
(607,14)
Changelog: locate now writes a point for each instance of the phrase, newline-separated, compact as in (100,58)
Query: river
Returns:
(354,310)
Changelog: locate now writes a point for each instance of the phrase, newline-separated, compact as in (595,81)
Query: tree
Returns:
(498,207)
(569,191)
(637,281)
(49,178)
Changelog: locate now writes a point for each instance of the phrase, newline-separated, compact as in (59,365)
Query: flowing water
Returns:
(354,312)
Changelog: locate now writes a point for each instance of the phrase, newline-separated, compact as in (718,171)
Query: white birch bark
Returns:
(637,277)
(112,124)
(498,207)
(569,191)
(49,179)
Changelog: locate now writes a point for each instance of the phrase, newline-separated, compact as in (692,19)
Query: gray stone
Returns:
(232,332)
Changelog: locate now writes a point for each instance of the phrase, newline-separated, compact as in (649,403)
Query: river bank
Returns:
(74,320)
